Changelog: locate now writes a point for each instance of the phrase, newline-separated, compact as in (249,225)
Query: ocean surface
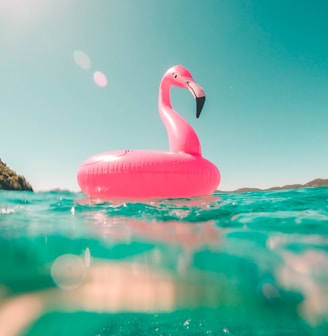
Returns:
(228,264)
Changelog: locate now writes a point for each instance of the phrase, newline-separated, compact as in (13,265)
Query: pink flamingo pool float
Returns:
(138,174)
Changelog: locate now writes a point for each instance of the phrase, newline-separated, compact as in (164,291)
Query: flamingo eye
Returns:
(175,75)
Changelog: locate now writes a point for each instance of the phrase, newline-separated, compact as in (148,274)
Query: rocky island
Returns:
(10,180)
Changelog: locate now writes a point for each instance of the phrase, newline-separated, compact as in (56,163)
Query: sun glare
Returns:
(20,9)
(13,8)
(29,10)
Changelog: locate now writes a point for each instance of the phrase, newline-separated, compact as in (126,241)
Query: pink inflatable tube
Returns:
(139,174)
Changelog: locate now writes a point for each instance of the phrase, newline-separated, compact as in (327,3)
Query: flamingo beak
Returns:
(198,94)
(199,105)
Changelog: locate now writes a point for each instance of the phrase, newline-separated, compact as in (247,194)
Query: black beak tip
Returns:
(199,105)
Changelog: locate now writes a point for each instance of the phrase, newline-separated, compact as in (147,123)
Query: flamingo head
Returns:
(182,78)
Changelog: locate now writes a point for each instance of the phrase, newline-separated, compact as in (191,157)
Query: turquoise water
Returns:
(229,264)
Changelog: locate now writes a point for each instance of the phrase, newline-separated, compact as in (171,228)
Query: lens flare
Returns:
(100,79)
(82,59)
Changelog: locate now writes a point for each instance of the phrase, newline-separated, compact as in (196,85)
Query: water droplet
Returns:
(68,271)
(186,323)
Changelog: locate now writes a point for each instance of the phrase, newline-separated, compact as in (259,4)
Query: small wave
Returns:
(6,211)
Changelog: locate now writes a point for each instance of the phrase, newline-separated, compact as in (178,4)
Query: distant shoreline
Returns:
(319,182)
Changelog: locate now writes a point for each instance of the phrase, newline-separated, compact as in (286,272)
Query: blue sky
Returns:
(262,64)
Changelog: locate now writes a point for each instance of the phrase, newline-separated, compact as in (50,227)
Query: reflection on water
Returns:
(110,287)
(189,236)
(220,265)
(307,273)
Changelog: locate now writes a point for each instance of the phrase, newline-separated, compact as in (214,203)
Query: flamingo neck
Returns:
(182,137)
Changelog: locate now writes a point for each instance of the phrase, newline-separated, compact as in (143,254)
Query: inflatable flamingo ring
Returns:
(139,174)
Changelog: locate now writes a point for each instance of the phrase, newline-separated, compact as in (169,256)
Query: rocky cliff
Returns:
(9,180)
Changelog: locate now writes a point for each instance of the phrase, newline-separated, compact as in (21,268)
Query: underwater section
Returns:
(253,263)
